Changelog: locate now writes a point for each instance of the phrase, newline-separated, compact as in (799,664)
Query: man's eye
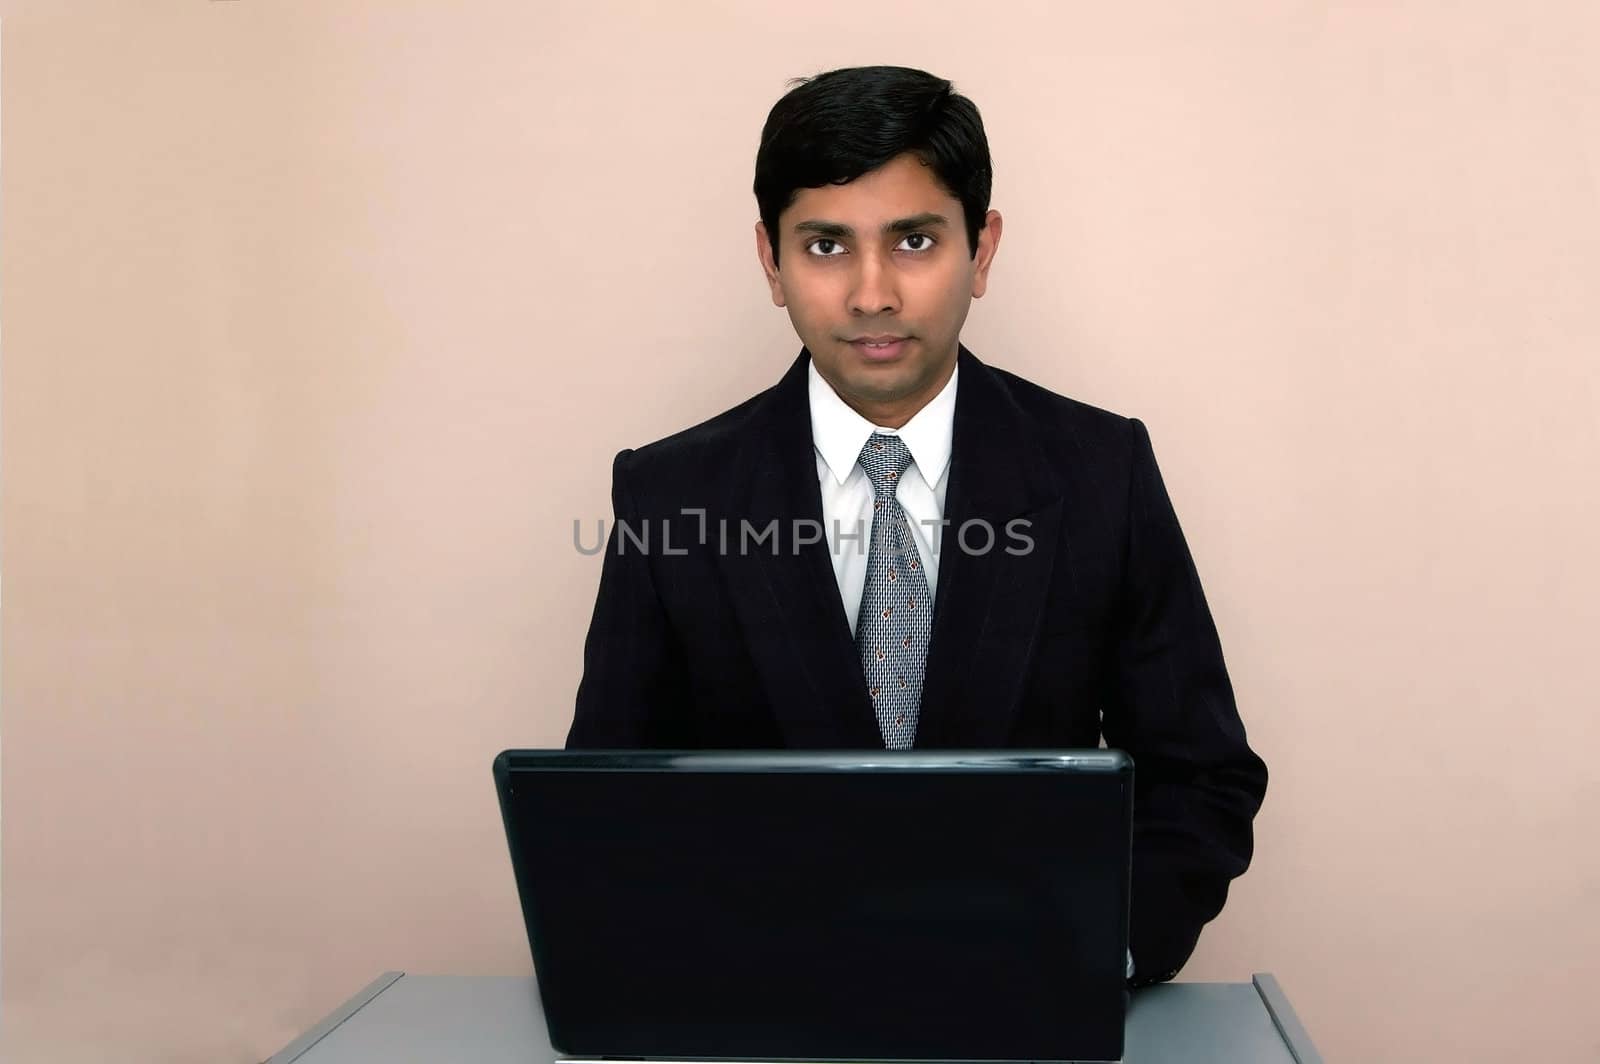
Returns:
(924,242)
(825,248)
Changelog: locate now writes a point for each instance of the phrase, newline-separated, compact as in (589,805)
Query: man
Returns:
(898,545)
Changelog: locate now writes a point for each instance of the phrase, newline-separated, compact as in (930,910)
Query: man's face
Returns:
(884,257)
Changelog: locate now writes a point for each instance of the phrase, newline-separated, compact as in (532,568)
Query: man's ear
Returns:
(768,266)
(988,244)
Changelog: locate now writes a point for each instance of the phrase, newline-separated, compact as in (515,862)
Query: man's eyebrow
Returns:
(836,230)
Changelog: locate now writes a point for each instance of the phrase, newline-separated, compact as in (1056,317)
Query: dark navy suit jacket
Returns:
(719,624)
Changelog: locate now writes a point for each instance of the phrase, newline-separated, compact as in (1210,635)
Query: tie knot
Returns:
(884,458)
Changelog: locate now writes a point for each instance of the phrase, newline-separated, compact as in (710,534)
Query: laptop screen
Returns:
(819,907)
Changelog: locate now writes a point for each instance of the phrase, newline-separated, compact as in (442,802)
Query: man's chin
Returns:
(877,381)
(885,383)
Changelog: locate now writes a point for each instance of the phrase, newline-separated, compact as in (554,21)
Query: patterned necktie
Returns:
(896,611)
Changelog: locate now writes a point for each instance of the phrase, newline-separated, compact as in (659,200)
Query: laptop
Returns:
(804,906)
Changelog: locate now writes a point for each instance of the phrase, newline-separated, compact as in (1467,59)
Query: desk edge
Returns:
(300,1046)
(1288,1025)
(1290,1029)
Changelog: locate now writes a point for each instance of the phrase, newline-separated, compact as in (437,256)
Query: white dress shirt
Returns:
(838,433)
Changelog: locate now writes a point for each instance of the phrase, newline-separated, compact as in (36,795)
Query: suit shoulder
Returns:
(1061,416)
(697,454)
(1100,450)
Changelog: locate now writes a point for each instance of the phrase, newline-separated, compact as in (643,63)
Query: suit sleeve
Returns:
(633,694)
(1168,703)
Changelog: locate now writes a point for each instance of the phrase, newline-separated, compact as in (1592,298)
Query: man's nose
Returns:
(875,291)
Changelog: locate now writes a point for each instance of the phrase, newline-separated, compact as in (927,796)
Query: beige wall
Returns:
(322,322)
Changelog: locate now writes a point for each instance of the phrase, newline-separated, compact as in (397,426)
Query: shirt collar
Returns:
(839,433)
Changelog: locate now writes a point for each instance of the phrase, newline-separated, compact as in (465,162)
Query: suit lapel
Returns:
(987,607)
(785,594)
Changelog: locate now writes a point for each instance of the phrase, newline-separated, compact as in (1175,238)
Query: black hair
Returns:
(832,128)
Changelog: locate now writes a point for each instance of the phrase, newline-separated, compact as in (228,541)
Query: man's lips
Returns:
(880,348)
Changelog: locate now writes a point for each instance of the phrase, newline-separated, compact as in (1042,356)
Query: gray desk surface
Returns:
(412,1019)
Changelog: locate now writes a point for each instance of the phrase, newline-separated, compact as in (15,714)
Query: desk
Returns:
(425,1019)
